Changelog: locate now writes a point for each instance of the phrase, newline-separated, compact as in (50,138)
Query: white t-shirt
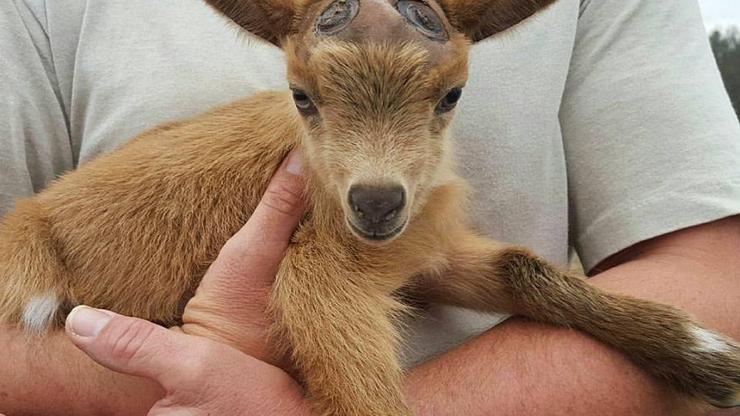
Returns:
(595,124)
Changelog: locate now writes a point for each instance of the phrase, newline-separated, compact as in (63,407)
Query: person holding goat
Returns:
(601,219)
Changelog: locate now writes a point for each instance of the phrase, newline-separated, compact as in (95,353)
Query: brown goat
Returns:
(374,83)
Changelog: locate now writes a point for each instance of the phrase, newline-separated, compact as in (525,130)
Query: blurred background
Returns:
(722,20)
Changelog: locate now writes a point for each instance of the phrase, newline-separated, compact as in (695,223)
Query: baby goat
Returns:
(374,83)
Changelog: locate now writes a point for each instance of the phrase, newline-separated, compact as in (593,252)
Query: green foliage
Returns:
(726,48)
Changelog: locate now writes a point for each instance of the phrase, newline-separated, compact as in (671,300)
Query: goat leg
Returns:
(341,335)
(661,339)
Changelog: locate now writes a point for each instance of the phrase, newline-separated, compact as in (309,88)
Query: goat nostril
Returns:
(359,212)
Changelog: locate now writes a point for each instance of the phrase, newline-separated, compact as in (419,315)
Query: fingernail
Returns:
(295,163)
(87,322)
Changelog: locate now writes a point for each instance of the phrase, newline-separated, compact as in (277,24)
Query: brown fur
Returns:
(135,230)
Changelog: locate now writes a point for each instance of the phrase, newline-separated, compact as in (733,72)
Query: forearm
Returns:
(53,377)
(526,368)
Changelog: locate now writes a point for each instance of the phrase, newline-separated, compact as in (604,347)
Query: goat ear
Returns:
(272,20)
(479,19)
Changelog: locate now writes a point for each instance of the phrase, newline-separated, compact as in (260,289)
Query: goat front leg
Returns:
(660,339)
(338,327)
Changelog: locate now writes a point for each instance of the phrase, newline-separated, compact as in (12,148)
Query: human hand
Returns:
(229,305)
(199,376)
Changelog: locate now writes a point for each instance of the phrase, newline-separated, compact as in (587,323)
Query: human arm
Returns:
(522,367)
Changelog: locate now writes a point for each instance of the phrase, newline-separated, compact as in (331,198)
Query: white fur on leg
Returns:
(39,312)
(707,341)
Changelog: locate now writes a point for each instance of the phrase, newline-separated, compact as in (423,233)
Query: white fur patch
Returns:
(39,313)
(707,341)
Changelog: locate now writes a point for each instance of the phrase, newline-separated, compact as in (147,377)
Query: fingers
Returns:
(130,345)
(256,250)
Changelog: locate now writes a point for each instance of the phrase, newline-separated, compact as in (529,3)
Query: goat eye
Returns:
(303,102)
(449,101)
(424,18)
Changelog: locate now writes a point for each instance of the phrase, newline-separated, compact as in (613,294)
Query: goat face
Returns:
(376,83)
(376,105)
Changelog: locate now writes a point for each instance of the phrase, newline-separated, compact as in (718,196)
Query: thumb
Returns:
(282,205)
(131,345)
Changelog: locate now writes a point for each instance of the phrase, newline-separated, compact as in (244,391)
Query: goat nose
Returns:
(377,204)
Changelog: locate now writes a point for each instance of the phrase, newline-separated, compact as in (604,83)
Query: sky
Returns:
(720,13)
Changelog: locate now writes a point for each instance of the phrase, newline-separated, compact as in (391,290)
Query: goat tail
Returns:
(32,275)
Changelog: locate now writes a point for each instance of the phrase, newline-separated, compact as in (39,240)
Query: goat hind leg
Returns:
(661,339)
